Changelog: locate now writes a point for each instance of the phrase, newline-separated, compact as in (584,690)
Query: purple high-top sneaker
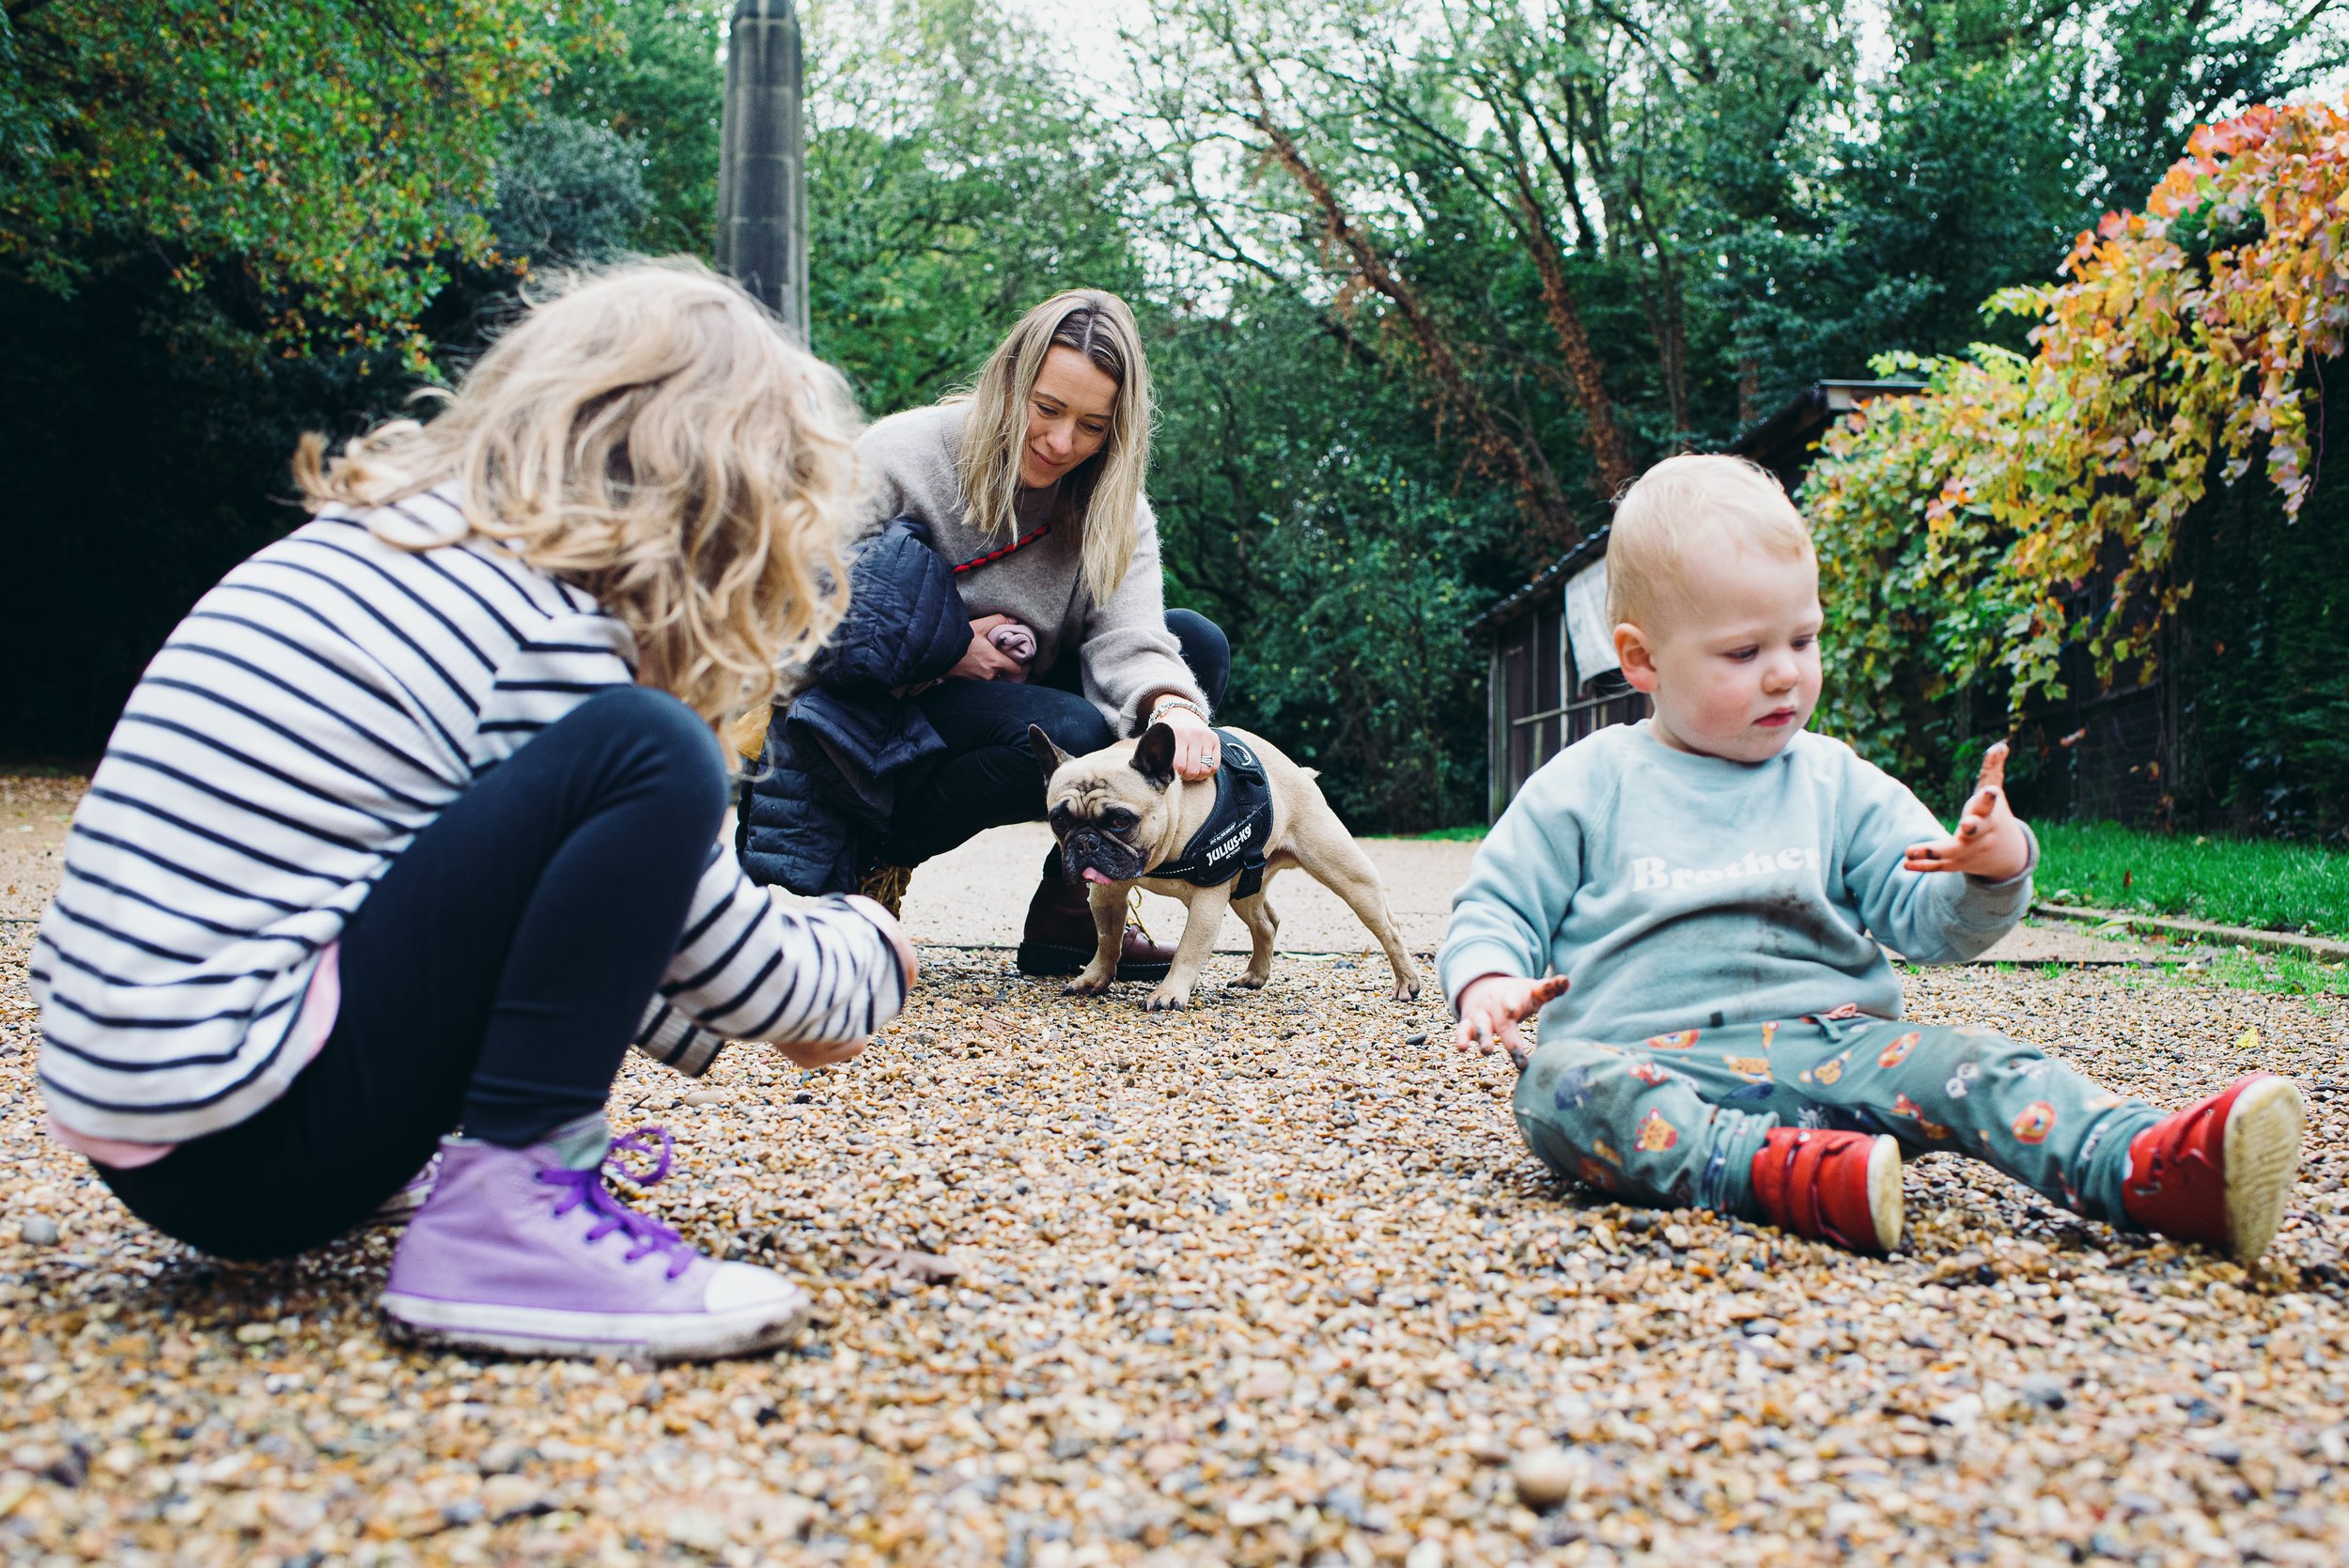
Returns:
(526,1251)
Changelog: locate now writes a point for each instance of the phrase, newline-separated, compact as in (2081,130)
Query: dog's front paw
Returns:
(1090,982)
(1168,998)
(1250,982)
(1407,990)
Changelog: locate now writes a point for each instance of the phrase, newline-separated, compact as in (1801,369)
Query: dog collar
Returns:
(1230,843)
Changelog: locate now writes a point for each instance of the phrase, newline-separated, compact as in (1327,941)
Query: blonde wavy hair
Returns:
(650,435)
(1104,491)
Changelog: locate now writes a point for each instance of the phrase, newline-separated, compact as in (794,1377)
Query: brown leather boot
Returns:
(1058,937)
(885,885)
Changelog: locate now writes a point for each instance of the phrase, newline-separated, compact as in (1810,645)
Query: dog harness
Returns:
(1230,843)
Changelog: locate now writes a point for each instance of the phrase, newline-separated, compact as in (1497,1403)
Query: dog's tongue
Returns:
(1093,874)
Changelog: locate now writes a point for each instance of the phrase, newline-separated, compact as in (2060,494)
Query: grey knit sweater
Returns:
(1123,649)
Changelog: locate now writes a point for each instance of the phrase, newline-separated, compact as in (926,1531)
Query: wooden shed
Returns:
(1553,678)
(1540,696)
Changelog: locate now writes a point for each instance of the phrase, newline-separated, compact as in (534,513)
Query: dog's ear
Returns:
(1049,755)
(1154,756)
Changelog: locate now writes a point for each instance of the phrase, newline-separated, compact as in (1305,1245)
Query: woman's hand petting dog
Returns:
(1197,753)
(1493,1005)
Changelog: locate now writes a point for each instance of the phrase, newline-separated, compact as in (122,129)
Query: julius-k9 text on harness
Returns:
(1230,843)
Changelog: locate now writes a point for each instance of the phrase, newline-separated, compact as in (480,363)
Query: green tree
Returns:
(2158,67)
(1302,508)
(333,153)
(1993,137)
(151,409)
(647,72)
(956,176)
(565,193)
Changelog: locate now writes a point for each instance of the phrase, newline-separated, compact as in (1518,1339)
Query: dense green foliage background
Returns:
(2262,653)
(1420,280)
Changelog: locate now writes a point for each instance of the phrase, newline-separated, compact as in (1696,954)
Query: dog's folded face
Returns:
(1112,812)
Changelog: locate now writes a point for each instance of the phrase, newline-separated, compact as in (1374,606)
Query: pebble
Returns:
(2047,1392)
(37,1230)
(1961,1412)
(1177,1311)
(500,1458)
(700,1528)
(1544,1477)
(510,1497)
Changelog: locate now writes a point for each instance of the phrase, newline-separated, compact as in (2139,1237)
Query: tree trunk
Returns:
(1537,497)
(1608,451)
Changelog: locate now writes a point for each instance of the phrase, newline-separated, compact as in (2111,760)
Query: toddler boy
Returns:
(1712,881)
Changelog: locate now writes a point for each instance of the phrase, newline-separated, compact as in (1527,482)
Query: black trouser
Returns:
(989,776)
(493,979)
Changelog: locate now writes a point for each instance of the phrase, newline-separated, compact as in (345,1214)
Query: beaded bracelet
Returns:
(1184,703)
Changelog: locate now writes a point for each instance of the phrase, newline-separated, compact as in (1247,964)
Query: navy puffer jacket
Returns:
(836,758)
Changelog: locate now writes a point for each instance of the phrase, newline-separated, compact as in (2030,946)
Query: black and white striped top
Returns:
(315,711)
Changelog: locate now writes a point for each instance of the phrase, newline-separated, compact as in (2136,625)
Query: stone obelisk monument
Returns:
(762,160)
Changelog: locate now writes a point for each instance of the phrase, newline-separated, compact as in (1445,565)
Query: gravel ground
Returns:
(1268,1281)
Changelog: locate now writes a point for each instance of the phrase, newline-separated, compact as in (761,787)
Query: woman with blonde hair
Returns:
(1028,492)
(412,825)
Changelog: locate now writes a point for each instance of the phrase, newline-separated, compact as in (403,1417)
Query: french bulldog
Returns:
(1122,817)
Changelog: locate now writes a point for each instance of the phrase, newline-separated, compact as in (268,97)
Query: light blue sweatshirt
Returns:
(1684,892)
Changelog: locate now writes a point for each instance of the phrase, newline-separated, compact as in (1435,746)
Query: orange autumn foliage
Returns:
(1954,524)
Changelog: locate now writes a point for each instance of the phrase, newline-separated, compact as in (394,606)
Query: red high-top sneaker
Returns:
(2219,1172)
(1838,1187)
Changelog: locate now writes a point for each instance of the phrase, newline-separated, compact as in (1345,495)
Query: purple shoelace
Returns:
(587,1187)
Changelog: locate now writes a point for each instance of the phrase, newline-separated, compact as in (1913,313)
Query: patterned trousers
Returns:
(1677,1120)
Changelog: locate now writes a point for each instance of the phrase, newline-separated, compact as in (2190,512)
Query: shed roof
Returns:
(1550,577)
(1782,442)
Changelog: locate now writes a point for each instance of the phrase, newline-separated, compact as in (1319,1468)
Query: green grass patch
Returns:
(1469,834)
(2279,973)
(2047,969)
(2261,883)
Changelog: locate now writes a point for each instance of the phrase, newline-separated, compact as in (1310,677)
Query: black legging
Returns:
(989,776)
(493,978)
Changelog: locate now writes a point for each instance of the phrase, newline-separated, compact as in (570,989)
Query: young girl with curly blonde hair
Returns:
(411,830)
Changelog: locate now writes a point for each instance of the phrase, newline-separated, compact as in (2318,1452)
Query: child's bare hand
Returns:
(1493,1005)
(899,943)
(820,1053)
(1989,840)
(830,1053)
